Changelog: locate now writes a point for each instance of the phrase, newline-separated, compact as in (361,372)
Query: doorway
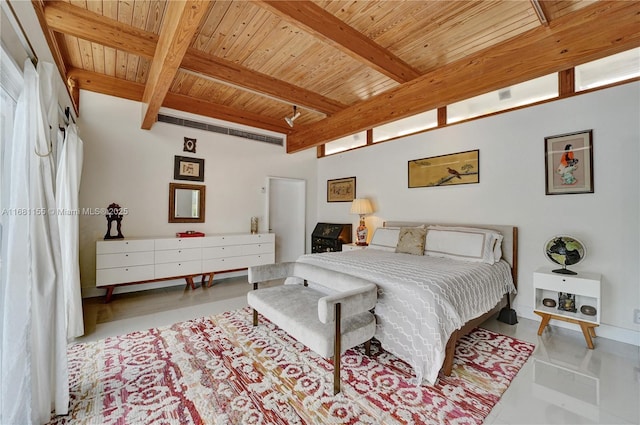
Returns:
(286,212)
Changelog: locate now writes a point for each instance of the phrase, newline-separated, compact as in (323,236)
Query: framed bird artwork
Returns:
(445,170)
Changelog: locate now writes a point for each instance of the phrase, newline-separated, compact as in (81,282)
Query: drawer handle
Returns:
(126,255)
(126,270)
(179,251)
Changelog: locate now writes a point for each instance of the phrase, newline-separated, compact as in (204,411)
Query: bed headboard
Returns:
(509,241)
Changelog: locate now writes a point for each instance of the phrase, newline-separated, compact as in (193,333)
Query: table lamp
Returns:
(361,206)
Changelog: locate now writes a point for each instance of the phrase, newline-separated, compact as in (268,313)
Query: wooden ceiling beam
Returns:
(567,41)
(82,23)
(78,22)
(179,24)
(104,84)
(246,79)
(320,23)
(56,51)
(100,83)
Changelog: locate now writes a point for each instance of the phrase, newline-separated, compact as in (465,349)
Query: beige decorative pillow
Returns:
(411,240)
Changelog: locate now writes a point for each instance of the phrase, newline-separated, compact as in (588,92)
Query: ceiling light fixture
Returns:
(292,118)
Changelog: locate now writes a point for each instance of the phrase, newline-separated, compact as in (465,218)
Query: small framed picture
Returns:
(189,145)
(185,168)
(341,190)
(568,160)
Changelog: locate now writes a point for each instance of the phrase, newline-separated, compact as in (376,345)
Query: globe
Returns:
(564,251)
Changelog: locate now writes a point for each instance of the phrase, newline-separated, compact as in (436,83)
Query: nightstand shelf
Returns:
(586,289)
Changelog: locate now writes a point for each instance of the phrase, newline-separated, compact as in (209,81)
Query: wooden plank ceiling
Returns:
(346,65)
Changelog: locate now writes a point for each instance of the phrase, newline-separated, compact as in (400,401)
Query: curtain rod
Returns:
(19,31)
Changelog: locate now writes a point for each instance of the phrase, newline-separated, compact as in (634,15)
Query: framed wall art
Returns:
(189,145)
(185,168)
(445,170)
(341,190)
(568,161)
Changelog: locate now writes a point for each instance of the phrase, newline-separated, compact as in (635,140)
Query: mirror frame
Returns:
(172,202)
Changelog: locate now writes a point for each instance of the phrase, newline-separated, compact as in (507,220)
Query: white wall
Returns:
(512,190)
(133,167)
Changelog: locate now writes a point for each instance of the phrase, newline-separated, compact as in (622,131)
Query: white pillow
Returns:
(385,239)
(494,234)
(464,243)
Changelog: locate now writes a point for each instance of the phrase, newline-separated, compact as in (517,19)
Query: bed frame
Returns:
(509,254)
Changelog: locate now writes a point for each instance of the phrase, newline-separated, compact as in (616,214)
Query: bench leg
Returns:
(367,348)
(336,352)
(255,317)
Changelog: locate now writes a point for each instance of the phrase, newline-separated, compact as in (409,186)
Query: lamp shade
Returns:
(361,206)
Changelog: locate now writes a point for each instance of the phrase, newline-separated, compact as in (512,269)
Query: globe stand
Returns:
(564,270)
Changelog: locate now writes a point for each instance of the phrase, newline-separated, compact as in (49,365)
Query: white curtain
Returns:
(33,362)
(67,187)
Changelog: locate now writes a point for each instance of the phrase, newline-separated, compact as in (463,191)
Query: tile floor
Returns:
(562,383)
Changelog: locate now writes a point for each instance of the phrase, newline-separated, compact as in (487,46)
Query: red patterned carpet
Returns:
(221,370)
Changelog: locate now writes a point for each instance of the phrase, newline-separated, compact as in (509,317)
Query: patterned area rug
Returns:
(222,370)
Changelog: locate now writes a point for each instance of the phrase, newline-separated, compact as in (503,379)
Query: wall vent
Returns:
(221,130)
(504,94)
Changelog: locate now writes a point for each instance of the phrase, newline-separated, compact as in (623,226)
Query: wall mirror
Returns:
(186,203)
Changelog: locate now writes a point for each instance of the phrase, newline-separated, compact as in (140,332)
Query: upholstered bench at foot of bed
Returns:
(294,309)
(328,324)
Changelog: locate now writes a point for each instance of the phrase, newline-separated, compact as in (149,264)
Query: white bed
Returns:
(425,302)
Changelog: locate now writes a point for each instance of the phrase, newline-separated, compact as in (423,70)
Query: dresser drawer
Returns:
(258,260)
(124,275)
(571,284)
(124,259)
(177,269)
(116,246)
(178,255)
(177,243)
(232,263)
(221,251)
(239,239)
(261,248)
(221,264)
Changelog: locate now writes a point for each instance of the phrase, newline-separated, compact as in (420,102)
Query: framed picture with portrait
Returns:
(185,168)
(568,160)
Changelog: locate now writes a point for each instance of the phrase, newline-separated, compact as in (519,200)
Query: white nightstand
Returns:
(584,286)
(352,247)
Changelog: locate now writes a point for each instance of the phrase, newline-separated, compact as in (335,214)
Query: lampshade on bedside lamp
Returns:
(362,207)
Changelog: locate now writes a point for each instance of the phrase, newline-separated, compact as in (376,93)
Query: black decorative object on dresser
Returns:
(329,237)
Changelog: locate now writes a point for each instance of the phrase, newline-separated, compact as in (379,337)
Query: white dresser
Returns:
(126,262)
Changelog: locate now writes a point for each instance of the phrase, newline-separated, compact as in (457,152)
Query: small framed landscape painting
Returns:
(341,190)
(568,160)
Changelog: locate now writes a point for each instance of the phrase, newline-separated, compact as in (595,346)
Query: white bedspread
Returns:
(421,300)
